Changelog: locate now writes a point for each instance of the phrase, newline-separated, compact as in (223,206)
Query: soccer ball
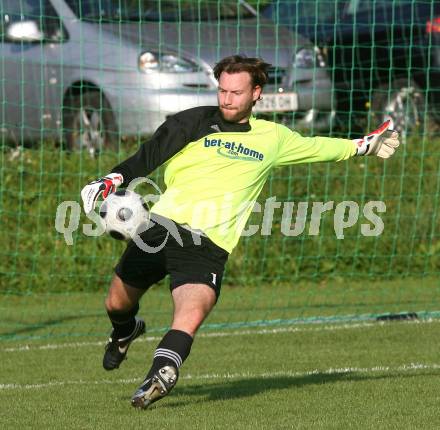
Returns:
(122,213)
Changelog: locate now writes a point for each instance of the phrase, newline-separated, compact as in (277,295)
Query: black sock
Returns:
(123,322)
(172,350)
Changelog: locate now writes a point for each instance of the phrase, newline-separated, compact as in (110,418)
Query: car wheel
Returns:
(404,102)
(89,124)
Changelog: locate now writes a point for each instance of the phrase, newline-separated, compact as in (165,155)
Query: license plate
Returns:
(277,102)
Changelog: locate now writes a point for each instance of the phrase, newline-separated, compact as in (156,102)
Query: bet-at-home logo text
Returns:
(234,150)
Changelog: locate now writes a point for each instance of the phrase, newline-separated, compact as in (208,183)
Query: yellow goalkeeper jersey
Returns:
(215,169)
(213,182)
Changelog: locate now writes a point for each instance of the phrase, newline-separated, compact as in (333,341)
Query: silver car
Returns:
(89,72)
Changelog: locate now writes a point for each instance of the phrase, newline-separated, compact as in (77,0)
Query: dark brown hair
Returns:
(256,67)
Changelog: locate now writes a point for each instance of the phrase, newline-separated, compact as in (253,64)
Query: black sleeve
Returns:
(173,135)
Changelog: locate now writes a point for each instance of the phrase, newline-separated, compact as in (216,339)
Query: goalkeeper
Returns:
(208,153)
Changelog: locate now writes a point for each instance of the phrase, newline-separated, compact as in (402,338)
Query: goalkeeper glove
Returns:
(381,142)
(105,185)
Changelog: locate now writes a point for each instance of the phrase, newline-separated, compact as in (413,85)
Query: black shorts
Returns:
(167,248)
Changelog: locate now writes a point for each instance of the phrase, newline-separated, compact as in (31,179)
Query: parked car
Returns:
(384,55)
(93,71)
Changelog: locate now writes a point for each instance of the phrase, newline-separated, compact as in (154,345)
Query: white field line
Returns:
(297,329)
(411,367)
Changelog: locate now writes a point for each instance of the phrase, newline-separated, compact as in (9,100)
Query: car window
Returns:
(311,12)
(302,12)
(160,10)
(357,6)
(39,11)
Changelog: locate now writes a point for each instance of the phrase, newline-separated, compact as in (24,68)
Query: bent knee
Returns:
(189,320)
(121,297)
(113,304)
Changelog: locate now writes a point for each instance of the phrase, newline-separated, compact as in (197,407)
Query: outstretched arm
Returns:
(294,148)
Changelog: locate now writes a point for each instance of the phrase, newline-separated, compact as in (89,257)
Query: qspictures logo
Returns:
(293,218)
(234,150)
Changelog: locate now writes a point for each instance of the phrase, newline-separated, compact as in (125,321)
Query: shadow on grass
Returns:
(35,327)
(248,387)
(343,305)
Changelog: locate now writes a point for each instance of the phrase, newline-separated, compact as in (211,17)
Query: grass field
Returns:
(293,342)
(267,358)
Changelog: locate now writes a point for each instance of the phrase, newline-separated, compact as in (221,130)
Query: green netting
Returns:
(83,83)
